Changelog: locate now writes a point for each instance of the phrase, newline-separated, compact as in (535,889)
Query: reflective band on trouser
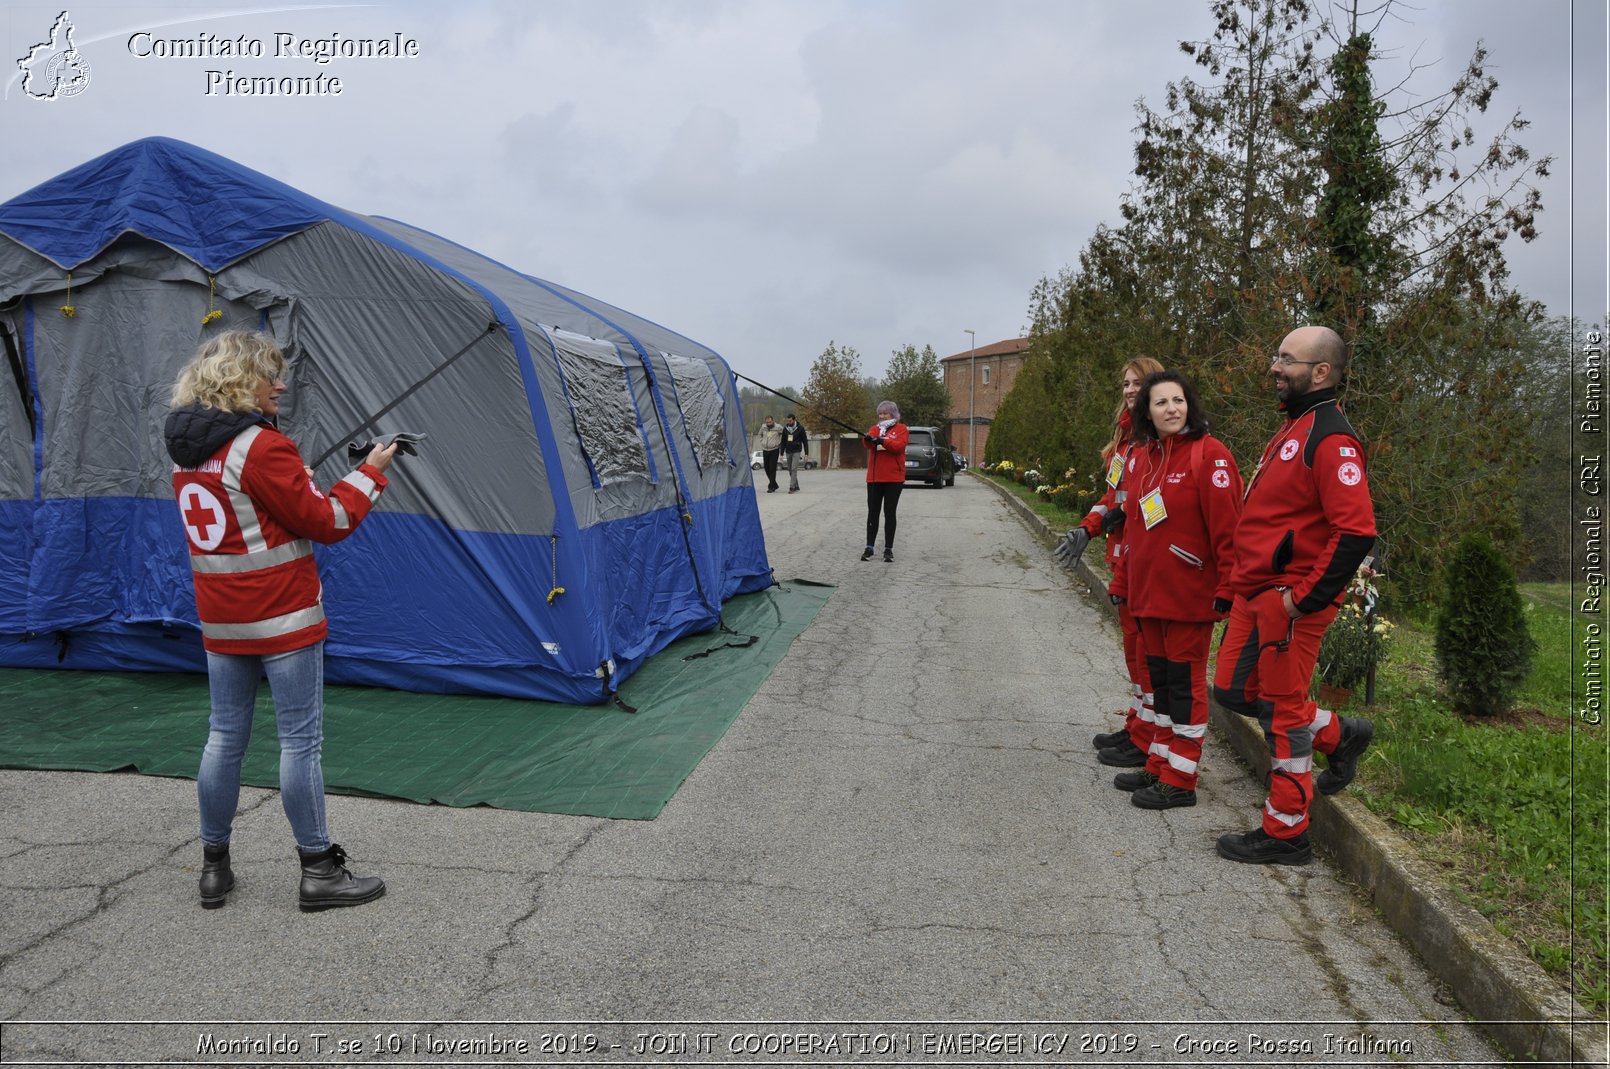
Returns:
(237,563)
(1184,766)
(1290,820)
(273,627)
(1294,764)
(1321,721)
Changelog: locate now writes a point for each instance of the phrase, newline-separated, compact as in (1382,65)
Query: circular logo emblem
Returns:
(1289,450)
(1349,474)
(1131,463)
(203,516)
(66,74)
(1221,479)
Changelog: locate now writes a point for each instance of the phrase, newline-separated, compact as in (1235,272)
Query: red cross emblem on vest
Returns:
(203,516)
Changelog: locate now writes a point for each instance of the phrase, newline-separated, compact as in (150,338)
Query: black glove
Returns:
(871,442)
(358,452)
(1116,599)
(1113,520)
(1072,546)
(1221,607)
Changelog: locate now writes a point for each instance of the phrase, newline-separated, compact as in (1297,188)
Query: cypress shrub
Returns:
(1484,650)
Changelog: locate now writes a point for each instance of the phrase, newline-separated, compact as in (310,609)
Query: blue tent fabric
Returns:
(227,212)
(530,551)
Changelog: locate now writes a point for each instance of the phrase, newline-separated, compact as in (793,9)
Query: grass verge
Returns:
(1514,810)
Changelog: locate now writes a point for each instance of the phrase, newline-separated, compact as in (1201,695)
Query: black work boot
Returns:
(1108,739)
(1133,781)
(1162,795)
(326,883)
(217,879)
(1258,847)
(1343,763)
(1124,755)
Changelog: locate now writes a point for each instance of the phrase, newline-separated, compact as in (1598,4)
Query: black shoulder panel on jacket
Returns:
(1328,420)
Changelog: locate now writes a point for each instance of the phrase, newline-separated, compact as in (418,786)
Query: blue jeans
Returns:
(296,680)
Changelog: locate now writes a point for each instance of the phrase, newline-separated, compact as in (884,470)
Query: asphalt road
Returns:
(904,851)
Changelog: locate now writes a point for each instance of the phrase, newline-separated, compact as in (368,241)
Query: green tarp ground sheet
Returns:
(451,749)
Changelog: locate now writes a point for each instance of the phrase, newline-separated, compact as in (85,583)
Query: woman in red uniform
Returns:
(1183,503)
(250,511)
(885,476)
(1126,747)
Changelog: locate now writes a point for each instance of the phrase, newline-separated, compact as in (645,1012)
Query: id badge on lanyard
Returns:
(1152,509)
(1115,470)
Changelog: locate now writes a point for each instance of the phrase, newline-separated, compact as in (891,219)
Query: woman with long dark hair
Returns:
(1180,516)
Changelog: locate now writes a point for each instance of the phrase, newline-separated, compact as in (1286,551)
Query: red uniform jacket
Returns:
(886,461)
(1308,519)
(249,512)
(1175,569)
(1114,498)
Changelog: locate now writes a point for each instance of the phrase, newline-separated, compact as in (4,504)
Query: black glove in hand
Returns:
(1116,599)
(871,442)
(1221,607)
(406,440)
(1072,546)
(1112,521)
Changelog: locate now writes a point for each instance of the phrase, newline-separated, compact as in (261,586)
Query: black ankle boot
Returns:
(217,879)
(326,883)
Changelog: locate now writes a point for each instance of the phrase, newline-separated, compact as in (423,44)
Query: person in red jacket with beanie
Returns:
(1307,524)
(1126,747)
(1180,517)
(885,475)
(250,512)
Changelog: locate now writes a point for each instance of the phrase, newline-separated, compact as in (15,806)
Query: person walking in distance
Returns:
(251,513)
(771,444)
(1181,515)
(885,476)
(1126,747)
(1306,525)
(794,443)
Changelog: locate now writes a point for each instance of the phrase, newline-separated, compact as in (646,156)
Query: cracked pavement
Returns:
(906,823)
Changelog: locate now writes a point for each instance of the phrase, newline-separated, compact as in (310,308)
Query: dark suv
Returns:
(929,459)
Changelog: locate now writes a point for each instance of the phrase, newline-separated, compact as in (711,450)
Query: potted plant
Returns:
(1356,642)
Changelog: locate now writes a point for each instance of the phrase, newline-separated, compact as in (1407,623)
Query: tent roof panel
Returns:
(224,212)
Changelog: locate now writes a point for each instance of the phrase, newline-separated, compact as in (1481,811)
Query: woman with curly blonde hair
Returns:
(250,512)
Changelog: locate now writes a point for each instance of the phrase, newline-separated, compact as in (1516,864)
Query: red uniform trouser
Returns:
(1176,656)
(1266,660)
(1140,721)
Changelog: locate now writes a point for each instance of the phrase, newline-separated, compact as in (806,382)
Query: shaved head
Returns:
(1320,343)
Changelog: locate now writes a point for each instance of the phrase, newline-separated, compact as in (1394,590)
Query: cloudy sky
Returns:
(761,175)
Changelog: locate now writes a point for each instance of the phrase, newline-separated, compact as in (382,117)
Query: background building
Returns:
(978,379)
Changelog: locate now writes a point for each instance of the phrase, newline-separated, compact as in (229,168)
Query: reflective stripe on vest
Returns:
(251,532)
(237,563)
(273,627)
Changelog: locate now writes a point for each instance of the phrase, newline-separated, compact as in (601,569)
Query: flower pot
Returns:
(1333,697)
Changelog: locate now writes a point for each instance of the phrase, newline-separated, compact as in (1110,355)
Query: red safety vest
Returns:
(250,514)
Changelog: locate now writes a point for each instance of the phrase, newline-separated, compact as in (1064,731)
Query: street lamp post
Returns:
(972,384)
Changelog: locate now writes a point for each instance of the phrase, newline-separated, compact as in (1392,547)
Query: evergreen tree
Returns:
(913,381)
(1484,651)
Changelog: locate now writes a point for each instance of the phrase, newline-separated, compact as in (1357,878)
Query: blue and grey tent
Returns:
(582,501)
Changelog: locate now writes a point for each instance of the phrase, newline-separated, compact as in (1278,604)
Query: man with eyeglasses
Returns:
(1305,526)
